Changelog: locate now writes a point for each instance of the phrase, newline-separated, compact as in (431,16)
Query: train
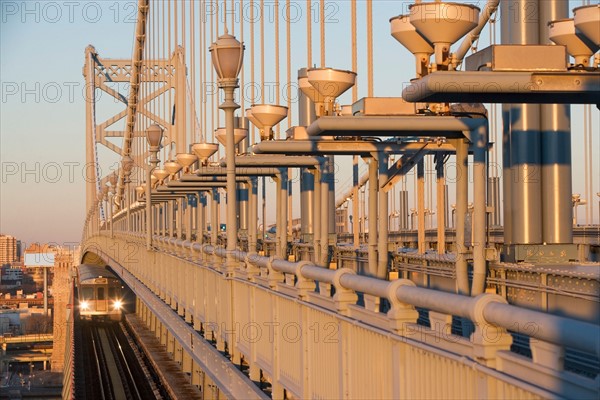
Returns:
(100,293)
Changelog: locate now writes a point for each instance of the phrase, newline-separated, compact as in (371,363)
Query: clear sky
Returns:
(42,110)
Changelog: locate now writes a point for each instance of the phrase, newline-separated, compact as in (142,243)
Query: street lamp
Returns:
(227,54)
(154,135)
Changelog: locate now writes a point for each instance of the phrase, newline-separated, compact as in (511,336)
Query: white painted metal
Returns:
(301,340)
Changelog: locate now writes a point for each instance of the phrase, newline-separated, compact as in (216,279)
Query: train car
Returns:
(99,293)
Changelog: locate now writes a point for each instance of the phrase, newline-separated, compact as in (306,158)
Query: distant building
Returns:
(8,249)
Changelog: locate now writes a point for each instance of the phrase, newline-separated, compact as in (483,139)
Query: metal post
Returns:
(317,215)
(331,211)
(462,188)
(199,217)
(441,205)
(355,225)
(283,195)
(556,148)
(189,218)
(403,210)
(110,201)
(307,191)
(421,206)
(325,211)
(214,223)
(373,192)
(229,106)
(525,156)
(149,205)
(278,216)
(253,214)
(383,222)
(179,218)
(494,200)
(306,116)
(480,139)
(45,291)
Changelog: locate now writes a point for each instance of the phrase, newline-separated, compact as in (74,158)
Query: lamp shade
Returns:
(127,164)
(227,54)
(113,178)
(154,135)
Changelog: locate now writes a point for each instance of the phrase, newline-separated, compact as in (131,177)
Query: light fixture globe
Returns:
(186,160)
(239,134)
(161,174)
(563,32)
(204,151)
(127,164)
(587,21)
(227,55)
(266,116)
(172,167)
(154,135)
(140,191)
(112,179)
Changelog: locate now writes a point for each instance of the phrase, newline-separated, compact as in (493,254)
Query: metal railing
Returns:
(285,319)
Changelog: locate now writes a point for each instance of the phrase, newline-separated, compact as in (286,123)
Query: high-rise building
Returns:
(8,249)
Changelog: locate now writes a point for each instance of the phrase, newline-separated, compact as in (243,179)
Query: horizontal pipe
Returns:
(365,284)
(342,147)
(547,327)
(444,302)
(505,87)
(394,125)
(219,171)
(269,160)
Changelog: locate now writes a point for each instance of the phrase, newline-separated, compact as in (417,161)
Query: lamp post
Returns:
(127,165)
(154,135)
(227,54)
(113,186)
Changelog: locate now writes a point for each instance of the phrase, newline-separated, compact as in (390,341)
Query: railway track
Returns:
(110,367)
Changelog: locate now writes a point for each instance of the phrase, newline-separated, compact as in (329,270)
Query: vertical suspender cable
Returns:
(252,75)
(262,51)
(288,37)
(243,80)
(370,47)
(213,109)
(217,92)
(277,77)
(322,18)
(169,83)
(204,83)
(308,34)
(195,133)
(355,200)
(233,17)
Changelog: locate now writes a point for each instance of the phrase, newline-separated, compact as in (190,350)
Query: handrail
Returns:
(485,309)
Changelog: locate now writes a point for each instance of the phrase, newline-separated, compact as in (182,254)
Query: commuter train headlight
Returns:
(84,305)
(117,304)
